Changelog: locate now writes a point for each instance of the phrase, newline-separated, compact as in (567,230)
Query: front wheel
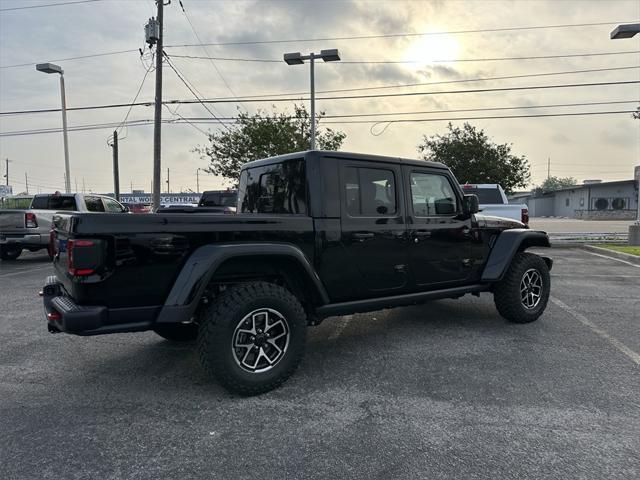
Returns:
(252,337)
(522,295)
(9,252)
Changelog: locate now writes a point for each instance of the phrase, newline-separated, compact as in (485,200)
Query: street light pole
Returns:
(296,58)
(65,135)
(628,31)
(52,68)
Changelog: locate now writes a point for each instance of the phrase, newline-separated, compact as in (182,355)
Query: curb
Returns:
(612,253)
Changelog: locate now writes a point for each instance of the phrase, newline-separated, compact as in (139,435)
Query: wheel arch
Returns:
(220,261)
(508,243)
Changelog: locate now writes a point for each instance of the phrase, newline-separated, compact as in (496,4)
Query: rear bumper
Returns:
(64,315)
(31,240)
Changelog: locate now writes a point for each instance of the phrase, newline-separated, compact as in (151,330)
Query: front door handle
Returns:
(422,233)
(362,236)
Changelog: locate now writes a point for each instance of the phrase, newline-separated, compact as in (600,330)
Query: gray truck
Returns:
(29,228)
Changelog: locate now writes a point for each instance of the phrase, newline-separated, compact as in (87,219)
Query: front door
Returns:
(373,226)
(439,236)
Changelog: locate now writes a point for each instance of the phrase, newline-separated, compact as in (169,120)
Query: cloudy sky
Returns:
(591,146)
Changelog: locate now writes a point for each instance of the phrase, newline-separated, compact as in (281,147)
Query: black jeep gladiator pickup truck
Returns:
(316,234)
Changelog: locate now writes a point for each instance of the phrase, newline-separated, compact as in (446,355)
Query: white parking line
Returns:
(26,270)
(342,324)
(612,258)
(635,357)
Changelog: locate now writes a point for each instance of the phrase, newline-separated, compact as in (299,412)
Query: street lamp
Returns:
(627,31)
(52,68)
(296,58)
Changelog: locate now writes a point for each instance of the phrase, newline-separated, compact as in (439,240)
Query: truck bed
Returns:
(143,254)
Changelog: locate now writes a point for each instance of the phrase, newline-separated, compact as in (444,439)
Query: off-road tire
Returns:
(218,324)
(9,253)
(178,332)
(507,295)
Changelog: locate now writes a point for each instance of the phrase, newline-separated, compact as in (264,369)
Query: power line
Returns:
(362,37)
(486,109)
(104,54)
(394,62)
(126,117)
(218,71)
(443,82)
(410,34)
(60,4)
(343,97)
(191,89)
(138,123)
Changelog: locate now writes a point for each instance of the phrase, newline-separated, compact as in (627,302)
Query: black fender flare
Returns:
(508,243)
(183,299)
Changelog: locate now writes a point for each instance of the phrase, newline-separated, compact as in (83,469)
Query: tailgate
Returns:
(10,220)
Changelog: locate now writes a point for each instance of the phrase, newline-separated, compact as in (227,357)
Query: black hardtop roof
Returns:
(345,155)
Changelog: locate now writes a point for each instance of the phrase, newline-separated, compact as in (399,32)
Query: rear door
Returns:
(440,238)
(373,225)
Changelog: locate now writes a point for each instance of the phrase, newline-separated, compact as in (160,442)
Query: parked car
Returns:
(226,200)
(494,202)
(317,234)
(29,228)
(138,207)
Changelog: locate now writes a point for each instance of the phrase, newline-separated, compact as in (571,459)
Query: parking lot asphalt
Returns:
(442,390)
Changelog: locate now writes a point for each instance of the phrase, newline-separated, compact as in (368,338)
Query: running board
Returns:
(371,304)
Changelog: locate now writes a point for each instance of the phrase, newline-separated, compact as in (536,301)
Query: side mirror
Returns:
(471,204)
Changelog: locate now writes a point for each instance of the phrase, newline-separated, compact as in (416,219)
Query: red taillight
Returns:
(525,216)
(30,220)
(72,245)
(53,316)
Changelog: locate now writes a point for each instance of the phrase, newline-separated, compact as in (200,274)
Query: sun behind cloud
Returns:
(430,48)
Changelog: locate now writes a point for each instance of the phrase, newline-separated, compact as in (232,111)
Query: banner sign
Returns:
(174,198)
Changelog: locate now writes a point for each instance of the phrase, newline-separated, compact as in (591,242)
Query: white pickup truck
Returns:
(29,228)
(493,201)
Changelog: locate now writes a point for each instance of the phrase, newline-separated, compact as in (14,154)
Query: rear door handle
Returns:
(422,233)
(362,236)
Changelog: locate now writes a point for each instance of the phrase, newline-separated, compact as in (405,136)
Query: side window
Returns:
(94,204)
(432,195)
(370,192)
(61,203)
(278,188)
(112,206)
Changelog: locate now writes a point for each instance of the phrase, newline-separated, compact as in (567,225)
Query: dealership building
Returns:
(593,200)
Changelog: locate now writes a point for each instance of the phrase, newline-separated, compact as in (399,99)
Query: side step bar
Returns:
(371,304)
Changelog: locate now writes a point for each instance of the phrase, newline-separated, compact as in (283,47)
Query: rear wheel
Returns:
(252,337)
(9,252)
(522,295)
(178,332)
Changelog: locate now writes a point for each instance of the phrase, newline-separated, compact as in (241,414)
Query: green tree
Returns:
(555,183)
(264,135)
(474,158)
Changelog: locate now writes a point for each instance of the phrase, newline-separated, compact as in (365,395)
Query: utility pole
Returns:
(158,108)
(116,173)
(548,168)
(197,180)
(76,182)
(168,185)
(6,161)
(83,189)
(26,183)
